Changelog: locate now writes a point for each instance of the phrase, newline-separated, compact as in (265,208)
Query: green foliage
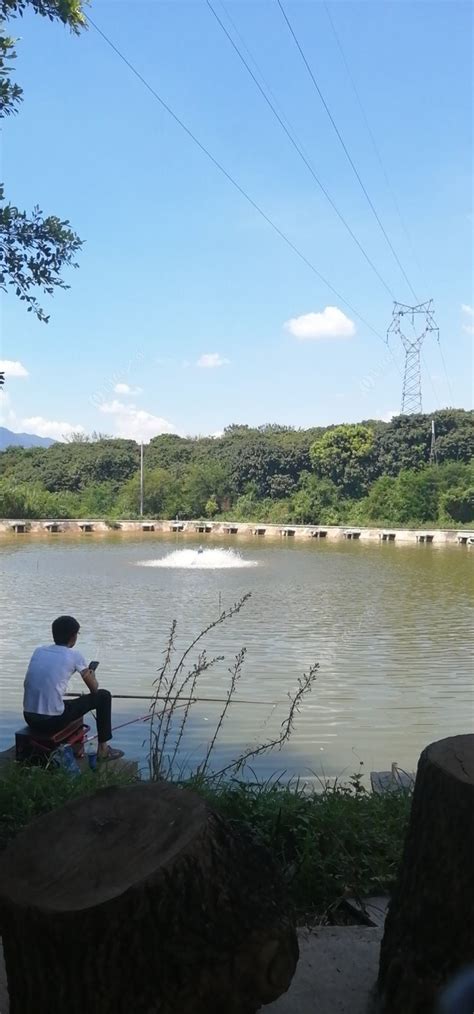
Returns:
(34,249)
(458,505)
(336,843)
(33,252)
(33,501)
(98,500)
(162,495)
(371,473)
(421,497)
(203,483)
(249,508)
(73,466)
(68,11)
(171,451)
(211,508)
(27,792)
(332,844)
(405,442)
(317,502)
(270,461)
(345,455)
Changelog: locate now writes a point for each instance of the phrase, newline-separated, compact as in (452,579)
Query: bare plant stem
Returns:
(235,674)
(226,614)
(158,683)
(171,695)
(304,686)
(175,688)
(202,665)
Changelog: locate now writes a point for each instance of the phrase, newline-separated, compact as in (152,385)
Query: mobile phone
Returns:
(93,666)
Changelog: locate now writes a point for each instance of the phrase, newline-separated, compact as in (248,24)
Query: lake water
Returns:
(391,627)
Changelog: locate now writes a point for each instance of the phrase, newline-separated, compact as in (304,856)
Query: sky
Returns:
(189,312)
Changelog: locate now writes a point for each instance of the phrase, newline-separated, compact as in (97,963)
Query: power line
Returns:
(374,143)
(387,180)
(290,135)
(344,146)
(229,177)
(446,373)
(430,378)
(259,71)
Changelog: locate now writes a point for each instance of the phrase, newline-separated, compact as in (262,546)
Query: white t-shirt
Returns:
(47,678)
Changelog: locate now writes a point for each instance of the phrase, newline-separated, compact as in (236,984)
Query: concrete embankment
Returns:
(257,530)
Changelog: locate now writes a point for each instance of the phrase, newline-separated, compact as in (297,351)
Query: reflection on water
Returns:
(390,625)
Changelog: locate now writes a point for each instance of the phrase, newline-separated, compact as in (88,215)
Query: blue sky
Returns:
(178,270)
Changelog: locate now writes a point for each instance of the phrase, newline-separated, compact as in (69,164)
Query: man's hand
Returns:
(90,680)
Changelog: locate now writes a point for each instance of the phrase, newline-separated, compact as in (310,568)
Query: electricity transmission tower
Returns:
(403,319)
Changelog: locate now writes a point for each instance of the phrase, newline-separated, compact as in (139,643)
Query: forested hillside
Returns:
(366,473)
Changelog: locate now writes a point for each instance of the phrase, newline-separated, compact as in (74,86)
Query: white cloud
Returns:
(127,389)
(211,360)
(7,415)
(328,323)
(13,368)
(37,424)
(386,416)
(469,311)
(134,423)
(49,427)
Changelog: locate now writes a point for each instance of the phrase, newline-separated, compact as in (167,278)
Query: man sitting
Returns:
(46,681)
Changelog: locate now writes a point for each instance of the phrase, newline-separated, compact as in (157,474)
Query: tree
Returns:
(269,462)
(316,502)
(429,928)
(419,497)
(454,435)
(188,912)
(203,483)
(211,508)
(254,475)
(169,450)
(458,505)
(74,466)
(405,442)
(345,455)
(34,249)
(163,495)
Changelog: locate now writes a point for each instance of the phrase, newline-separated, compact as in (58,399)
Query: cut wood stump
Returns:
(429,931)
(141,900)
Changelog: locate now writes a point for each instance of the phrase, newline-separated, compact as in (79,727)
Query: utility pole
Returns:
(141,479)
(433,451)
(403,317)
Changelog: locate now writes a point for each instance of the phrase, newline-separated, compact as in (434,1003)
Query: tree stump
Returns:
(142,900)
(429,932)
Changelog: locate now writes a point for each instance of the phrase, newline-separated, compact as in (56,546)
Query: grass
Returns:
(336,843)
(332,844)
(27,792)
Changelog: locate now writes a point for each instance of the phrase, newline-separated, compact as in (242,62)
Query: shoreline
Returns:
(258,530)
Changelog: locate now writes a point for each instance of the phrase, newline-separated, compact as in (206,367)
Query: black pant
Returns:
(100,702)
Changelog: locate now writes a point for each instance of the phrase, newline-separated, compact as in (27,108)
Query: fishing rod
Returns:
(132,721)
(189,700)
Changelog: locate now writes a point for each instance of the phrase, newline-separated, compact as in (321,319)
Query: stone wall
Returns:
(149,527)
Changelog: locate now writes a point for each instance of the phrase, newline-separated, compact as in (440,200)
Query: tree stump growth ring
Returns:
(141,900)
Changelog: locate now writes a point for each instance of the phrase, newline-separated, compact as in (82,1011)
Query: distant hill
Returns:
(9,438)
